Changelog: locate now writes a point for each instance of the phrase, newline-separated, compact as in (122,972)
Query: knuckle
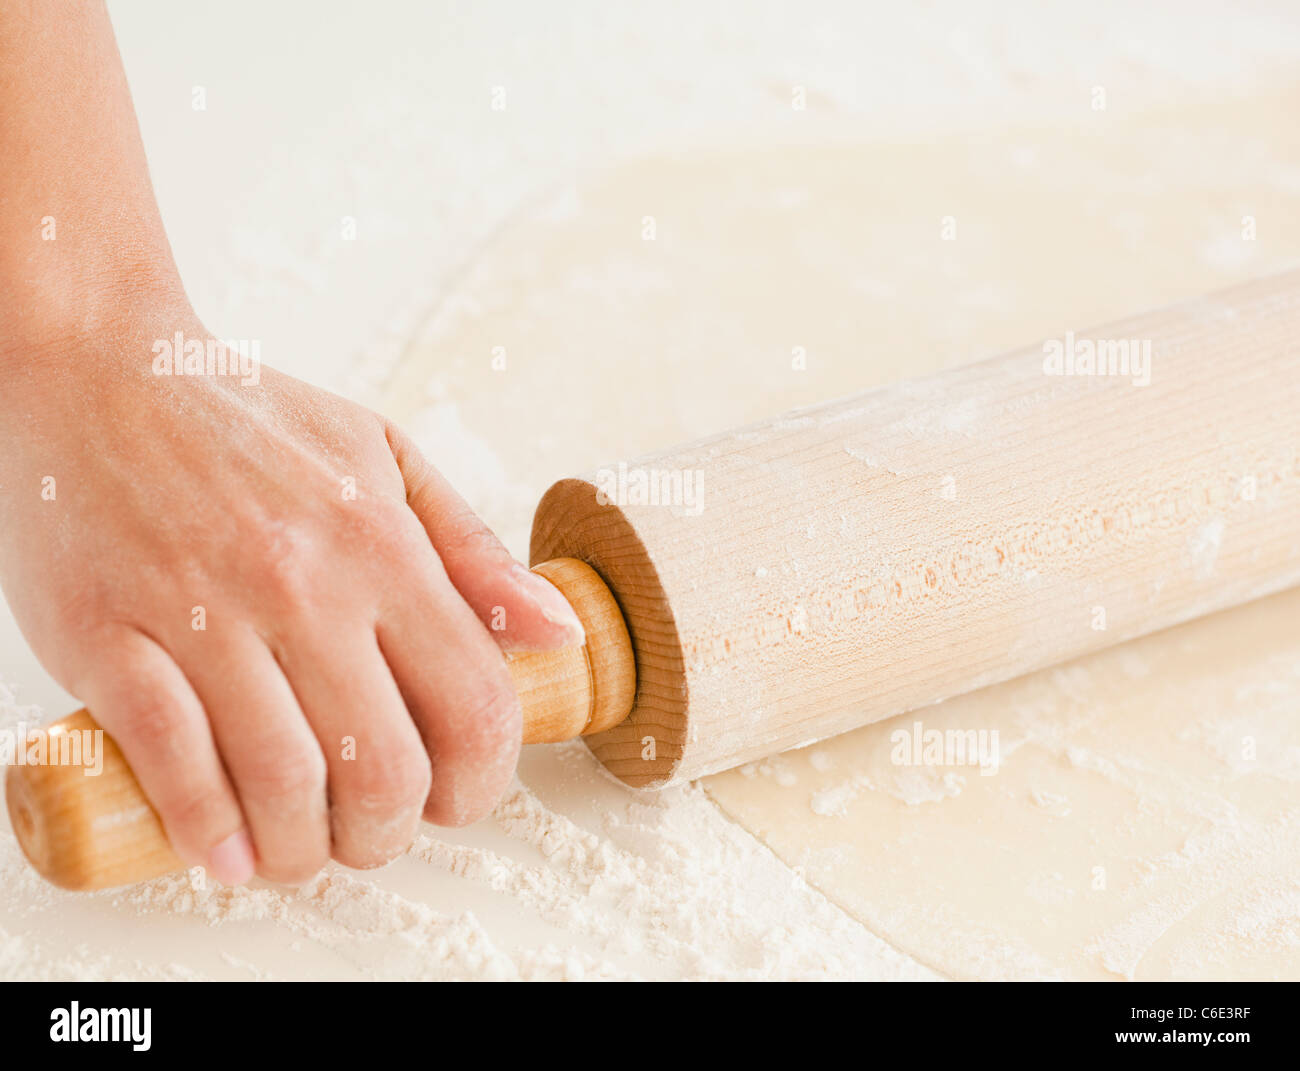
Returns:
(401,540)
(199,819)
(413,777)
(389,789)
(377,807)
(378,523)
(285,569)
(477,768)
(284,776)
(469,535)
(149,721)
(494,723)
(364,849)
(458,803)
(83,609)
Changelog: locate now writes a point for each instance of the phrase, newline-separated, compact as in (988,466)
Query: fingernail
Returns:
(554,606)
(232,861)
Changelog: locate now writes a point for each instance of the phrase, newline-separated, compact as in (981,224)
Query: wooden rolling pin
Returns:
(832,567)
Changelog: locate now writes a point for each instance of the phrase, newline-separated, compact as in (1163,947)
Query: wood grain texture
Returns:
(855,560)
(577,690)
(82,830)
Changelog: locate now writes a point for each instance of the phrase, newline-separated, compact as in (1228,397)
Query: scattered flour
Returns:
(617,885)
(1052,802)
(834,801)
(1204,546)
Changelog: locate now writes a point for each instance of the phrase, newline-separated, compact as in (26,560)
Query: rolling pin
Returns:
(775,585)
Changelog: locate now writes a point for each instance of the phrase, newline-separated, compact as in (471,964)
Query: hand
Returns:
(282,613)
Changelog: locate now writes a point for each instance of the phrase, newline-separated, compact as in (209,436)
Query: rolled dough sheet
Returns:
(1143,823)
(1143,820)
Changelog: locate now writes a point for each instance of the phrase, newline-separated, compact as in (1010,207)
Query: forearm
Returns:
(81,240)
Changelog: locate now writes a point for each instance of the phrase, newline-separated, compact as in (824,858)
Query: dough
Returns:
(1143,820)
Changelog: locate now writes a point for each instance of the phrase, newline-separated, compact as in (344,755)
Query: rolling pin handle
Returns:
(87,825)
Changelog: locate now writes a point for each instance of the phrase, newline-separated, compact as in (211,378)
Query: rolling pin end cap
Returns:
(30,831)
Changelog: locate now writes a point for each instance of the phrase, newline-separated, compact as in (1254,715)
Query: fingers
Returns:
(143,700)
(379,774)
(456,687)
(271,754)
(522,611)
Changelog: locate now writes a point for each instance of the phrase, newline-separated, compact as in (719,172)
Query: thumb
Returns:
(523,611)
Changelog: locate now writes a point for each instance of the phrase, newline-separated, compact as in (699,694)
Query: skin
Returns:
(347,678)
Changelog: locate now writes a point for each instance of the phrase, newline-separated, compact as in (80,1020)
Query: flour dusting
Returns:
(622,885)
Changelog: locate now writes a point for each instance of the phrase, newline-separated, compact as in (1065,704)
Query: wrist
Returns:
(52,319)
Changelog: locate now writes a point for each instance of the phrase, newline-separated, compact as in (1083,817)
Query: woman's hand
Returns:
(283,614)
